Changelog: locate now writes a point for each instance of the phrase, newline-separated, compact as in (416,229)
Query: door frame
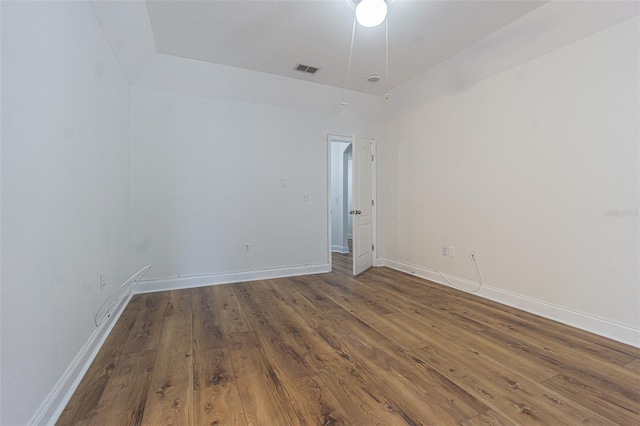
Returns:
(351,139)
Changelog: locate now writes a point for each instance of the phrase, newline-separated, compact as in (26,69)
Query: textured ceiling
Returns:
(273,36)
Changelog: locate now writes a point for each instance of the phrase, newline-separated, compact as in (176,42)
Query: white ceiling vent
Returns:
(306,68)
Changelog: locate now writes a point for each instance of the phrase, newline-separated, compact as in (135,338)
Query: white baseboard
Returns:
(179,283)
(340,249)
(610,329)
(57,399)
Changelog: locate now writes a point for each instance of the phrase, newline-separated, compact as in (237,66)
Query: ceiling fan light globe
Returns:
(370,13)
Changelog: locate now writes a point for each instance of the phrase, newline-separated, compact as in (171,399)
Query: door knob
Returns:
(351,212)
(358,212)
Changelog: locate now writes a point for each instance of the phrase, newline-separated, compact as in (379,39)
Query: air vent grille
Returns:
(306,68)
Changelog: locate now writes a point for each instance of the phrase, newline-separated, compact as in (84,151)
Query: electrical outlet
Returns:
(103,282)
(452,251)
(247,248)
(474,255)
(305,196)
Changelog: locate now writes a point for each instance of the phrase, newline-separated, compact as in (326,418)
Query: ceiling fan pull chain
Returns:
(346,76)
(386,57)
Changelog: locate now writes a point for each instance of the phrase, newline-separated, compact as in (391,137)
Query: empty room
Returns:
(319,212)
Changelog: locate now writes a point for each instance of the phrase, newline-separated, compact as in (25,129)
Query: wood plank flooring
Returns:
(385,348)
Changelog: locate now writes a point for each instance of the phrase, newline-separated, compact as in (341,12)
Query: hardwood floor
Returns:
(383,349)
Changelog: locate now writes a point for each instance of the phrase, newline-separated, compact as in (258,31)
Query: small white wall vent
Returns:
(306,68)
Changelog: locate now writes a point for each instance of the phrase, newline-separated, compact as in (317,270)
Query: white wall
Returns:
(178,172)
(206,179)
(187,76)
(551,26)
(522,167)
(65,197)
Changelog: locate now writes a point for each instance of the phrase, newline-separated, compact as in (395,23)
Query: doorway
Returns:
(351,201)
(341,196)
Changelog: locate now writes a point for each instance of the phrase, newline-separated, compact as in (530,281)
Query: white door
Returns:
(362,205)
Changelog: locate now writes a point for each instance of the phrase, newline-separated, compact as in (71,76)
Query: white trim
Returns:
(329,260)
(340,138)
(49,411)
(340,249)
(603,327)
(374,198)
(179,283)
